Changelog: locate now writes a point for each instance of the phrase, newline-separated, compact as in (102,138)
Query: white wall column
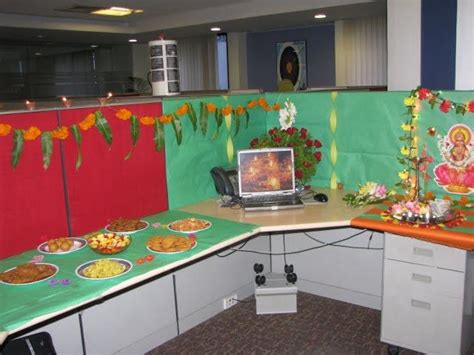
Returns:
(465,46)
(237,56)
(404,44)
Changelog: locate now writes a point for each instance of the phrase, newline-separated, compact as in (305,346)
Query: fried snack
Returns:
(104,268)
(126,225)
(189,224)
(27,273)
(59,245)
(109,243)
(171,243)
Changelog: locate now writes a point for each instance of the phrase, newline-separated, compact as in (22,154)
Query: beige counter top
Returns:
(334,213)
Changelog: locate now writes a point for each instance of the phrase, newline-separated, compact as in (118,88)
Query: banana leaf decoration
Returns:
(178,130)
(76,133)
(203,118)
(159,136)
(46,148)
(17,146)
(247,119)
(219,119)
(135,133)
(103,126)
(237,123)
(192,116)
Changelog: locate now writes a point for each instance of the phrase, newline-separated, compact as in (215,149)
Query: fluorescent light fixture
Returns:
(320,16)
(116,11)
(132,40)
(215,29)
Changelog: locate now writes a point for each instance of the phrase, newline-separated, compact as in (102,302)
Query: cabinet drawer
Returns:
(422,281)
(424,253)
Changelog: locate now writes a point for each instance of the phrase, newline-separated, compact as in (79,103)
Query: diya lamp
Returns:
(66,102)
(104,100)
(30,105)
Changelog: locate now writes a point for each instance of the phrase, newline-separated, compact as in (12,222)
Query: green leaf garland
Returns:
(103,126)
(192,116)
(203,118)
(46,148)
(135,133)
(17,146)
(76,133)
(159,136)
(178,130)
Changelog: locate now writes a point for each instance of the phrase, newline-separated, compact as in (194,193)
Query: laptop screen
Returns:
(266,171)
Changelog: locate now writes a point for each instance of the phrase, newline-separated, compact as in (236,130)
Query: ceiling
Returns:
(43,22)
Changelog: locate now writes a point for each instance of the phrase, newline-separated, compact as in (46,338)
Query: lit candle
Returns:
(66,102)
(30,105)
(103,100)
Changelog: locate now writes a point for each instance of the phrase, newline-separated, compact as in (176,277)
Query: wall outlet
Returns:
(229,301)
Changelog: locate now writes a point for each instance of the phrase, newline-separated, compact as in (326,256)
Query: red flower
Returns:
(289,145)
(277,139)
(254,142)
(303,133)
(298,174)
(273,131)
(470,106)
(291,130)
(317,143)
(307,164)
(424,93)
(445,106)
(309,142)
(317,155)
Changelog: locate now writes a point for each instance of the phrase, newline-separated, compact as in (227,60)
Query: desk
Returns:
(334,214)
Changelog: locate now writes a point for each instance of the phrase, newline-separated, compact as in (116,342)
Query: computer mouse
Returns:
(320,197)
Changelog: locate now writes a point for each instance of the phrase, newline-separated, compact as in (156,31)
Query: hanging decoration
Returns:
(101,123)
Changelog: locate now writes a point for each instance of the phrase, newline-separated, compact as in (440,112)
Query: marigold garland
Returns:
(98,120)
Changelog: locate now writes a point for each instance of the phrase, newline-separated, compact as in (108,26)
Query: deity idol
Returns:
(456,173)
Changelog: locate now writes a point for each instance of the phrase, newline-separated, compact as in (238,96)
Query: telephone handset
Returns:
(225,181)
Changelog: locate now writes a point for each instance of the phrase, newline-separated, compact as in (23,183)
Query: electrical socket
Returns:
(229,301)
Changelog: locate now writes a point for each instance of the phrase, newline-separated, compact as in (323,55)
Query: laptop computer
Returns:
(267,179)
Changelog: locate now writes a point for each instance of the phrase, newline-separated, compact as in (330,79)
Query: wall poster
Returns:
(291,65)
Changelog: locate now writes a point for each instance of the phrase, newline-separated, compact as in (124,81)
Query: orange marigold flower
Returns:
(227,110)
(276,107)
(123,114)
(60,133)
(182,110)
(147,120)
(211,107)
(87,122)
(252,104)
(463,200)
(429,195)
(262,102)
(240,110)
(447,197)
(31,133)
(5,129)
(266,108)
(165,119)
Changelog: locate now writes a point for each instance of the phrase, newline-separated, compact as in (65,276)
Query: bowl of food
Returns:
(109,243)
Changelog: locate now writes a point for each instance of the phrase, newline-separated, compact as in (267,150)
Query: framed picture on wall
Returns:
(291,65)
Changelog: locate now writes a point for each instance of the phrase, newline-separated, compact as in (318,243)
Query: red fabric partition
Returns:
(32,206)
(106,186)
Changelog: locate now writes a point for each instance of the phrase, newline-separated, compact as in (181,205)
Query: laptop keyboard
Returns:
(275,199)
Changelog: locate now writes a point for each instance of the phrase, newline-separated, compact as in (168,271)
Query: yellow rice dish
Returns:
(104,268)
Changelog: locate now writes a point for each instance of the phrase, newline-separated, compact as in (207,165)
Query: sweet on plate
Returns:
(109,243)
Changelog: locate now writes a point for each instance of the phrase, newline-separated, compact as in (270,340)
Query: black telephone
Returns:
(225,181)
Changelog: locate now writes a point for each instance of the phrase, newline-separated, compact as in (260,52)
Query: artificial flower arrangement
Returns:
(369,193)
(305,148)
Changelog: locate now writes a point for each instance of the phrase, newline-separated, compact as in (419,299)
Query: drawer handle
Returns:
(420,304)
(423,252)
(421,278)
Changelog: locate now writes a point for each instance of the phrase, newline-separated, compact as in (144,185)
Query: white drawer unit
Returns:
(427,302)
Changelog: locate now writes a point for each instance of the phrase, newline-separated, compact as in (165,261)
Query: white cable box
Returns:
(276,296)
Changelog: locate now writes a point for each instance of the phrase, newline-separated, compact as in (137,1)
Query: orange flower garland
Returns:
(88,122)
(123,114)
(147,120)
(182,110)
(165,119)
(5,129)
(227,110)
(240,110)
(60,133)
(31,133)
(211,107)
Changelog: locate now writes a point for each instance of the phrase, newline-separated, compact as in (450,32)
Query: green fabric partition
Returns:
(22,303)
(359,131)
(188,165)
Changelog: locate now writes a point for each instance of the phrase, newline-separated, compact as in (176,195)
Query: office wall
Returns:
(320,56)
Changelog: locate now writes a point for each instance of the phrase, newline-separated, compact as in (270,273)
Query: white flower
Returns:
(287,115)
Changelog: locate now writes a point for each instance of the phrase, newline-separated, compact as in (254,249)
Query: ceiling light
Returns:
(114,11)
(94,45)
(37,53)
(215,29)
(132,40)
(320,16)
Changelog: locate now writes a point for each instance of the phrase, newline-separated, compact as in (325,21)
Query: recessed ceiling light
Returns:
(133,40)
(37,53)
(94,45)
(115,11)
(215,29)
(40,36)
(320,16)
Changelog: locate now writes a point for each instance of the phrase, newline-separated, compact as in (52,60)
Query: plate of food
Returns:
(171,244)
(127,226)
(109,243)
(28,274)
(62,245)
(189,225)
(102,269)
